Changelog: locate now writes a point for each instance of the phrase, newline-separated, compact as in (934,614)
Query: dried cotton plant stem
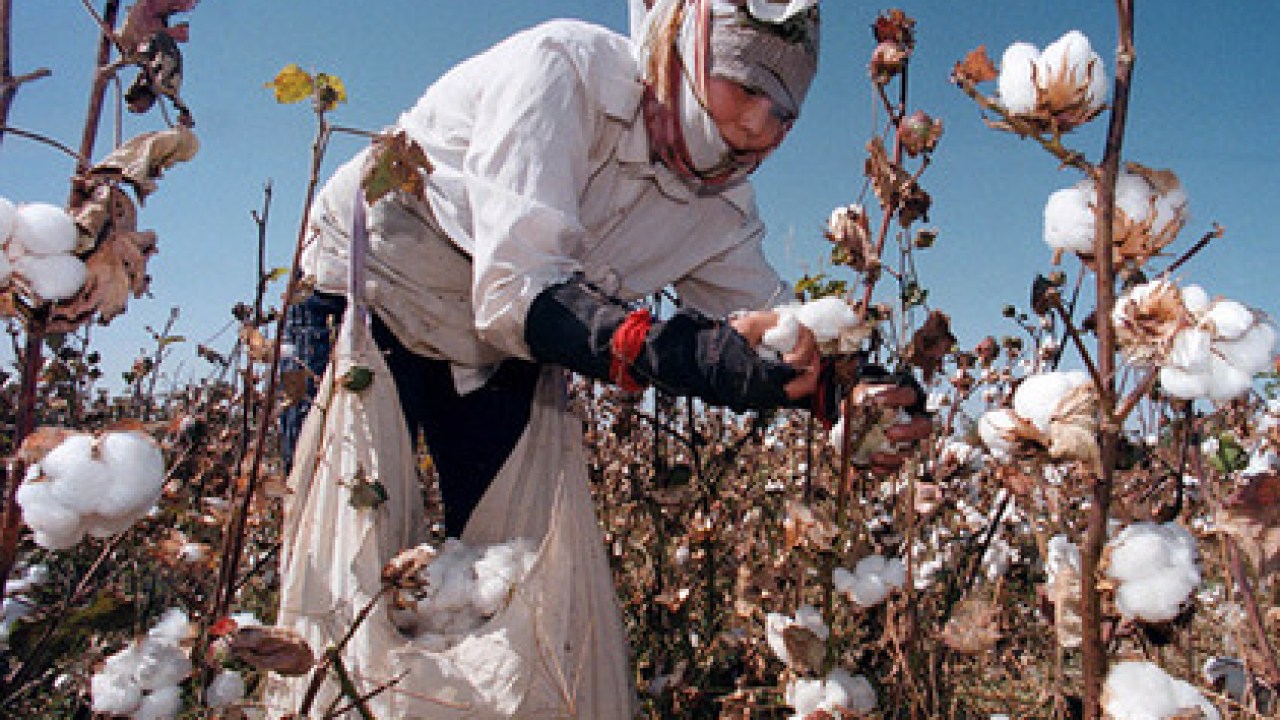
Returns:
(1093,650)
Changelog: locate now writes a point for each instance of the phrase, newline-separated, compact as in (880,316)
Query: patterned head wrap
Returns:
(686,42)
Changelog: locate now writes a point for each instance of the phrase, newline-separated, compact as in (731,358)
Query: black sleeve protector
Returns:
(571,324)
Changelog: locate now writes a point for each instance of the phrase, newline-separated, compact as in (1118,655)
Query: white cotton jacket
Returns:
(542,169)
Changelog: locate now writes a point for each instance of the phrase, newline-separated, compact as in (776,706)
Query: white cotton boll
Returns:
(1016,86)
(774,624)
(173,627)
(995,427)
(43,229)
(162,704)
(52,277)
(1252,351)
(783,336)
(1037,398)
(57,527)
(1156,598)
(77,479)
(895,573)
(8,217)
(1061,555)
(1134,196)
(810,617)
(1168,206)
(1226,381)
(162,665)
(137,471)
(851,691)
(1196,300)
(1230,319)
(227,688)
(1191,350)
(451,576)
(1068,57)
(1140,690)
(1098,84)
(868,590)
(827,317)
(114,694)
(997,559)
(836,435)
(103,527)
(804,696)
(1183,384)
(1069,221)
(499,568)
(1138,551)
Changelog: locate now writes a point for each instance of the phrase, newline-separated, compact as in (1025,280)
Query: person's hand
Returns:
(902,436)
(804,356)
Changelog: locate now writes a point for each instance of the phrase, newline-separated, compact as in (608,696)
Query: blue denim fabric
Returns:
(309,328)
(469,436)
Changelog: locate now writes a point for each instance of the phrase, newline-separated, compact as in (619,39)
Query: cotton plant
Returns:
(871,580)
(838,692)
(39,242)
(1061,87)
(458,587)
(1156,569)
(1051,411)
(1140,690)
(143,680)
(1205,348)
(96,485)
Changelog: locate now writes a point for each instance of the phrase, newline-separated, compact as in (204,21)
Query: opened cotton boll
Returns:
(782,337)
(839,690)
(1156,568)
(872,579)
(41,229)
(462,587)
(95,485)
(1038,398)
(1069,223)
(827,318)
(141,681)
(807,619)
(1139,690)
(8,218)
(51,277)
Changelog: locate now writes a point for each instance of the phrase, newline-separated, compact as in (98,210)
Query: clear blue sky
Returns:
(1205,104)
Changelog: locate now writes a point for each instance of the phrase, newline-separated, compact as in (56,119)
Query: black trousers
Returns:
(468,436)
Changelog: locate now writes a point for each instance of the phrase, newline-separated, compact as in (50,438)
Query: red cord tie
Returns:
(625,346)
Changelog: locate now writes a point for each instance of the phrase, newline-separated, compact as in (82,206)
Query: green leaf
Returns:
(368,494)
(277,273)
(357,378)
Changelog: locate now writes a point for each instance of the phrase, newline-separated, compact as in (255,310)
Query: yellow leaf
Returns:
(329,91)
(292,84)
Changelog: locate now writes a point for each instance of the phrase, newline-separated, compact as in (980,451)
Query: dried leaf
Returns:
(976,67)
(41,440)
(101,206)
(931,344)
(404,571)
(147,17)
(1251,515)
(805,649)
(1073,428)
(255,344)
(116,269)
(395,163)
(144,158)
(919,133)
(803,525)
(895,26)
(277,649)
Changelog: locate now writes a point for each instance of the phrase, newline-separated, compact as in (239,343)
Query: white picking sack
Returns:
(557,650)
